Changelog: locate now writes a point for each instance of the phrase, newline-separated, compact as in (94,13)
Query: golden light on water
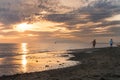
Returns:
(24,48)
(24,63)
(24,59)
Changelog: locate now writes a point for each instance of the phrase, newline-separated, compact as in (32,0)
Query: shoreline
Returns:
(96,64)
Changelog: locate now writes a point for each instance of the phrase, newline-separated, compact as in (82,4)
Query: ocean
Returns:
(17,58)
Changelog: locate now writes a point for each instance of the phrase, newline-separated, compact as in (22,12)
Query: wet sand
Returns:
(96,64)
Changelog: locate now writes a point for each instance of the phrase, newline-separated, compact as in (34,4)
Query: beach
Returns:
(96,64)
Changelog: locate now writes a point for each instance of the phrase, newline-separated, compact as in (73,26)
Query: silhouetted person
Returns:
(94,43)
(111,42)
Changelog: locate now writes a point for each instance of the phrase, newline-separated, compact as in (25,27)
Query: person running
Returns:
(111,42)
(94,43)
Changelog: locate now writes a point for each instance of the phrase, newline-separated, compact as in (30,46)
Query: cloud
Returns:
(96,12)
(14,11)
(102,10)
(60,6)
(83,18)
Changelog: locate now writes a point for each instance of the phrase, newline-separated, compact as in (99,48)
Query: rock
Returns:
(60,64)
(36,60)
(49,61)
(102,79)
(58,61)
(46,65)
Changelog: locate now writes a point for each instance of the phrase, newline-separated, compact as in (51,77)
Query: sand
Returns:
(96,64)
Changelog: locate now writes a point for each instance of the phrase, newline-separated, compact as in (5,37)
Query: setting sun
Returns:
(43,26)
(23,27)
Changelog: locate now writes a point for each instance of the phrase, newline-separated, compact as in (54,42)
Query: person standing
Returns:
(111,42)
(94,43)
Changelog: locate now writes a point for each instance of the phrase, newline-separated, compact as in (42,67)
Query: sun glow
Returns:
(43,26)
(23,27)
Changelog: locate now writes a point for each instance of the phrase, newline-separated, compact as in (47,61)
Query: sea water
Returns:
(16,58)
(25,57)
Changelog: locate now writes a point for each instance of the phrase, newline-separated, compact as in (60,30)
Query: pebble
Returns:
(102,79)
(46,65)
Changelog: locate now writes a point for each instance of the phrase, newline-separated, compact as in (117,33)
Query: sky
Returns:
(59,20)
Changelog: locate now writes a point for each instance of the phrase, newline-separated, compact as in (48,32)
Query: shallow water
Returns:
(22,58)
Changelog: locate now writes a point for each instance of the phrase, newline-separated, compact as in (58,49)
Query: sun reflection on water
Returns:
(24,63)
(24,59)
(24,48)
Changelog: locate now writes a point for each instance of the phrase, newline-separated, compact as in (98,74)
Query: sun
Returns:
(22,27)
